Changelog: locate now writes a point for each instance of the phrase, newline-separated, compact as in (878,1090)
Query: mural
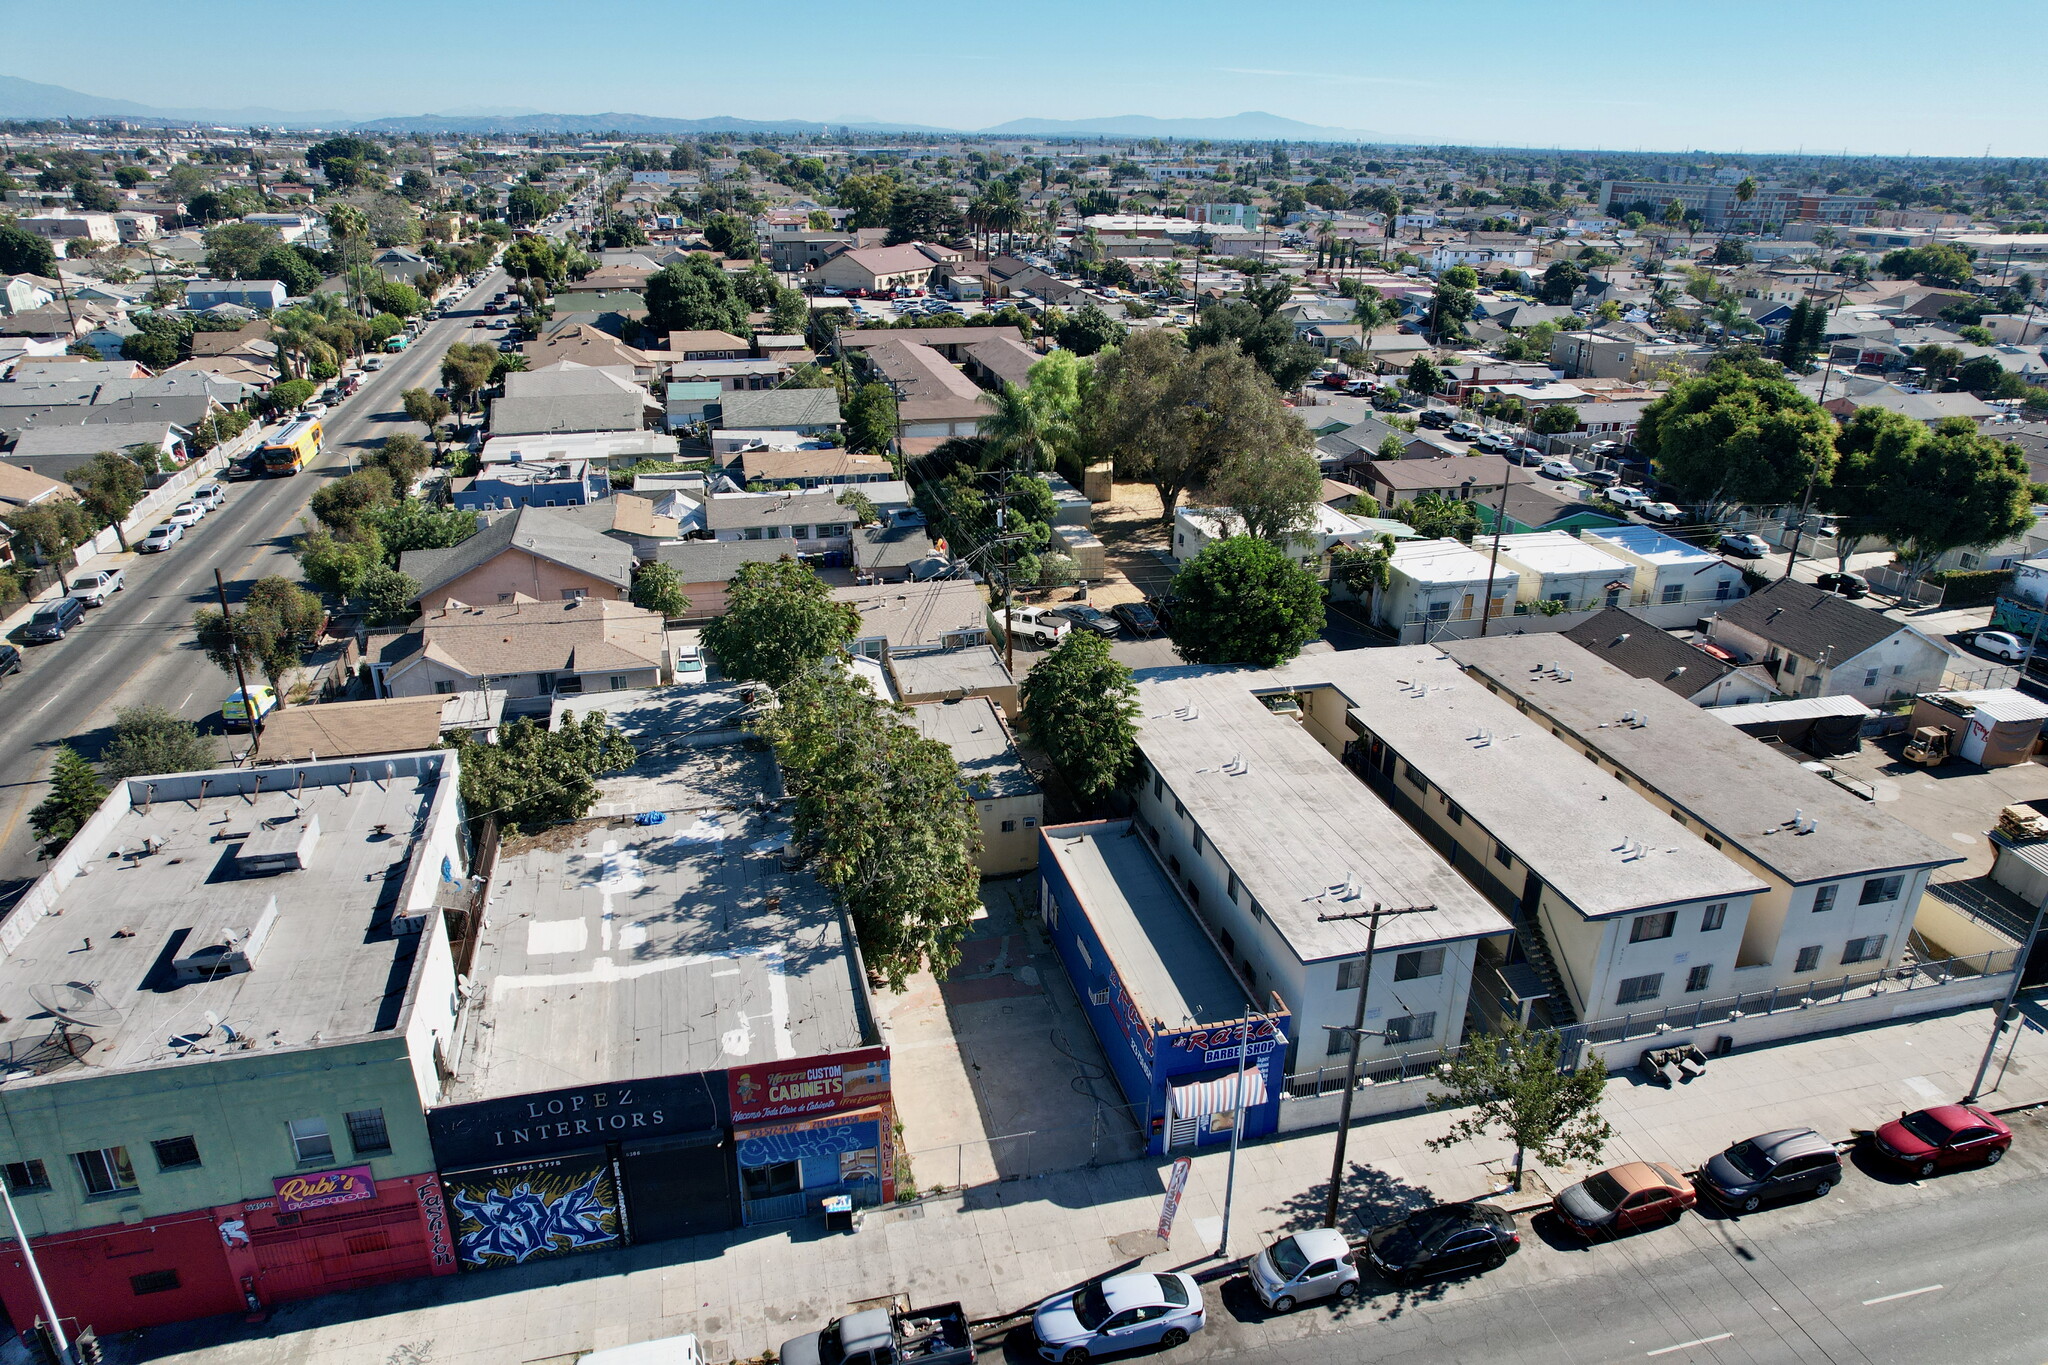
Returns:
(797,1142)
(557,1206)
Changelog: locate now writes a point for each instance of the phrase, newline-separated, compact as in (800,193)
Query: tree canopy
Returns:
(1514,1082)
(1254,325)
(270,630)
(1731,437)
(1081,709)
(780,623)
(150,739)
(533,776)
(692,296)
(75,793)
(1241,601)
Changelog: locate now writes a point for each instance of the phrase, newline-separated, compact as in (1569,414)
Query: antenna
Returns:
(77,1002)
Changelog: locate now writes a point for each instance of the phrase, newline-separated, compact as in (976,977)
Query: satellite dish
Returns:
(77,1002)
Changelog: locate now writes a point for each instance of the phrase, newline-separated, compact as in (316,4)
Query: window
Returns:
(1230,889)
(574,594)
(1456,812)
(1636,989)
(25,1177)
(1336,1041)
(154,1281)
(1009,826)
(1674,592)
(1031,822)
(1712,842)
(1440,611)
(1198,841)
(1808,959)
(1351,975)
(1158,787)
(769,1182)
(105,1170)
(799,533)
(1863,949)
(1648,927)
(1880,889)
(616,682)
(1824,899)
(1229,943)
(1697,978)
(1679,816)
(443,688)
(310,1140)
(1416,965)
(176,1154)
(1501,854)
(838,529)
(1180,808)
(1412,1028)
(366,1131)
(1870,677)
(1415,777)
(1722,590)
(1713,917)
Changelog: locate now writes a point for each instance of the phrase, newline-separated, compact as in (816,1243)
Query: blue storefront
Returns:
(1175,1021)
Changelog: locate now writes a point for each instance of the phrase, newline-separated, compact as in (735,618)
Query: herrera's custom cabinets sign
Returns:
(808,1085)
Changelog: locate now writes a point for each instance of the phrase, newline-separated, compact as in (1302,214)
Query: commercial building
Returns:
(226,1008)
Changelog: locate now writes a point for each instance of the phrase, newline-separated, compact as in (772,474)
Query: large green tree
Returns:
(695,296)
(1081,709)
(533,776)
(150,739)
(658,587)
(780,624)
(871,419)
(467,368)
(270,631)
(235,250)
(1255,326)
(1088,330)
(1270,491)
(1241,601)
(925,215)
(1731,437)
(75,793)
(24,253)
(1435,517)
(1956,490)
(1515,1083)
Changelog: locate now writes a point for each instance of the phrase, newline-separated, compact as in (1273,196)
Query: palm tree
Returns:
(1021,434)
(1369,310)
(347,225)
(1825,237)
(1745,191)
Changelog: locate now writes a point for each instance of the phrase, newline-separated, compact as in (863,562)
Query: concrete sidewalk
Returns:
(998,1248)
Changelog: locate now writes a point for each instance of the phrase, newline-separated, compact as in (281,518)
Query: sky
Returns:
(1671,75)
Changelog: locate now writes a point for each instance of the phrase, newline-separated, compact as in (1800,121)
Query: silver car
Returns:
(1121,1313)
(1306,1265)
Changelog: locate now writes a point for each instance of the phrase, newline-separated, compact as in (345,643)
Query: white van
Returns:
(680,1350)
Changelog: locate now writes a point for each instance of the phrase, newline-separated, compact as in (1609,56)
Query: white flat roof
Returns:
(1446,561)
(1557,552)
(1652,544)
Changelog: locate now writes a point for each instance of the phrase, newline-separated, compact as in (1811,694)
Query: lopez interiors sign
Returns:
(522,1126)
(809,1085)
(297,1193)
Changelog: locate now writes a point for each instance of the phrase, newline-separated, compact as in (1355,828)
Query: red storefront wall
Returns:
(399,1233)
(124,1276)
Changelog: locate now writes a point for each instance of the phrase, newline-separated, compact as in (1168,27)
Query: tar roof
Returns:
(622,951)
(1291,821)
(1173,972)
(1803,620)
(329,968)
(973,729)
(1741,790)
(1601,846)
(1642,650)
(965,671)
(1649,543)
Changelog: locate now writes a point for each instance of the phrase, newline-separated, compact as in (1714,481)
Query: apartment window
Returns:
(176,1154)
(1415,777)
(1880,889)
(1637,989)
(751,533)
(1336,1041)
(1713,917)
(1648,927)
(1158,787)
(26,1177)
(574,594)
(1412,1028)
(1863,949)
(1198,841)
(366,1131)
(1230,888)
(310,1140)
(1440,611)
(1418,964)
(1712,842)
(1009,826)
(1824,899)
(1501,854)
(1808,959)
(838,529)
(616,682)
(1679,816)
(1351,975)
(154,1282)
(1697,978)
(1031,822)
(1180,808)
(443,688)
(105,1170)
(1870,677)
(1456,813)
(799,533)
(1674,592)
(1229,943)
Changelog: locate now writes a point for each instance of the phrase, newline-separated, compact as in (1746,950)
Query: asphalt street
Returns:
(139,647)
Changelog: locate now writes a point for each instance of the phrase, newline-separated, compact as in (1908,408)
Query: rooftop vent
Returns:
(284,844)
(224,944)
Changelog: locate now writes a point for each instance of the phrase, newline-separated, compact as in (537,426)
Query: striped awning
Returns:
(1199,1099)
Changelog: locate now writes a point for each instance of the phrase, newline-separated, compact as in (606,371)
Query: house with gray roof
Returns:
(613,410)
(808,412)
(1641,650)
(1819,644)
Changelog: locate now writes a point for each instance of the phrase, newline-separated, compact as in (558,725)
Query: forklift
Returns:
(1929,746)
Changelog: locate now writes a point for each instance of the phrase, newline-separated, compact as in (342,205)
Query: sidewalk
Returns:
(998,1248)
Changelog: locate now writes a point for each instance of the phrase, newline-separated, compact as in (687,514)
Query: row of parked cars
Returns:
(1050,625)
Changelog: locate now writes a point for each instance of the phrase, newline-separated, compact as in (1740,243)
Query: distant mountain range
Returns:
(22,99)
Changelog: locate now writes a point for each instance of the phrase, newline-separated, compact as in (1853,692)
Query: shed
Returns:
(1821,726)
(1995,726)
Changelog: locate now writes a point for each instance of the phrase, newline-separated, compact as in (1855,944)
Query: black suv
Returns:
(1436,419)
(1442,1241)
(1788,1162)
(10,660)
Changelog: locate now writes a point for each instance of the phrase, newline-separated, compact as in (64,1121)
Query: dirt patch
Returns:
(1134,546)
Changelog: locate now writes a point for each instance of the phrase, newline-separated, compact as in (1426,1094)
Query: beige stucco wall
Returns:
(515,571)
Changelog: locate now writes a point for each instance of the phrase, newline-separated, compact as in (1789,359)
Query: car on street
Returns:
(1443,1240)
(314,409)
(241,471)
(93,589)
(1942,1138)
(1665,512)
(1557,469)
(1120,1313)
(689,664)
(1521,455)
(1302,1266)
(1843,584)
(10,660)
(1436,419)
(1138,617)
(210,495)
(1743,545)
(1039,625)
(53,620)
(1775,1165)
(1999,644)
(187,514)
(1635,1194)
(1462,431)
(1092,618)
(241,709)
(160,538)
(1628,497)
(1600,478)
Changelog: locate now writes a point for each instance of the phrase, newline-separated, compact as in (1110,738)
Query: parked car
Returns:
(1665,512)
(1039,625)
(1600,478)
(1623,1198)
(1628,497)
(689,664)
(10,660)
(1138,617)
(1305,1265)
(241,471)
(1436,419)
(1120,1313)
(210,496)
(938,1335)
(53,620)
(1443,1240)
(1462,431)
(1946,1136)
(1092,618)
(1162,608)
(1844,584)
(93,589)
(187,514)
(2000,644)
(1743,545)
(1521,455)
(242,709)
(1774,1165)
(161,537)
(1557,469)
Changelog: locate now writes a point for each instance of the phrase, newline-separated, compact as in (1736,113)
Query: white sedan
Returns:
(1557,469)
(1628,497)
(2000,644)
(186,514)
(160,538)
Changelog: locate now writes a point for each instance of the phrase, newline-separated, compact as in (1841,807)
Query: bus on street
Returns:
(292,449)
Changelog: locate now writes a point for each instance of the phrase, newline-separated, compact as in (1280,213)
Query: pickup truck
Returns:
(879,1336)
(94,589)
(1038,625)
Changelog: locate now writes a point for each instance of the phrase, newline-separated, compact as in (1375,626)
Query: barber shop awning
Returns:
(1200,1099)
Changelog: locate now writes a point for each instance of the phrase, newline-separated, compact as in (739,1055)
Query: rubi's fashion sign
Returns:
(297,1193)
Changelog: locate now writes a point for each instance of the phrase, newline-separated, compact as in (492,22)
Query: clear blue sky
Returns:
(1723,75)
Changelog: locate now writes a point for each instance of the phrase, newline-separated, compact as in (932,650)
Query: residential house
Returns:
(1458,478)
(1006,797)
(971,671)
(67,227)
(688,404)
(1436,586)
(829,467)
(1676,582)
(531,649)
(1531,507)
(260,296)
(807,412)
(916,618)
(797,252)
(706,567)
(1819,644)
(588,345)
(707,345)
(810,521)
(55,452)
(601,449)
(532,483)
(568,396)
(933,399)
(733,376)
(881,268)
(1554,566)
(999,361)
(1197,528)
(1632,643)
(531,552)
(383,725)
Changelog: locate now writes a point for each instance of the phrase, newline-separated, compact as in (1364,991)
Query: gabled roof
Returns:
(531,530)
(1641,650)
(773,409)
(1801,619)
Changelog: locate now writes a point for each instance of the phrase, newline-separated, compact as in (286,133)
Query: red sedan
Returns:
(1626,1197)
(1944,1136)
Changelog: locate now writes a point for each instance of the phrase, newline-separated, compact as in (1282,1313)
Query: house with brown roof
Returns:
(932,397)
(531,552)
(908,266)
(707,345)
(828,467)
(533,650)
(1456,477)
(588,345)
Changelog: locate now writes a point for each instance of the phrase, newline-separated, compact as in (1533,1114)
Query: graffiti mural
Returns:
(557,1206)
(796,1142)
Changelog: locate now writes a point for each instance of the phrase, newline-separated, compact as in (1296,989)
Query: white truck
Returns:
(1038,625)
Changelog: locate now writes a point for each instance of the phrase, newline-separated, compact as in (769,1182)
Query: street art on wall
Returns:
(555,1206)
(796,1142)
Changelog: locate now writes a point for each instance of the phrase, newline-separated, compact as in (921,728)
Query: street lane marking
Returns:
(1688,1345)
(1904,1294)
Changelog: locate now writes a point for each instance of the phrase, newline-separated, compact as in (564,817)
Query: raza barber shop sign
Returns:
(810,1085)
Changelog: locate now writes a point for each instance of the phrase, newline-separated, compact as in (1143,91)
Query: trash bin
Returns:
(1724,1045)
(838,1213)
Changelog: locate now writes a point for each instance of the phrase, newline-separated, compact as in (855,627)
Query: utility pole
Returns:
(241,679)
(35,1274)
(1500,521)
(1998,1021)
(1827,372)
(1244,1049)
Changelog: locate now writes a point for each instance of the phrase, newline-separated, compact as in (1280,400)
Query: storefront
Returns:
(806,1130)
(335,1229)
(120,1277)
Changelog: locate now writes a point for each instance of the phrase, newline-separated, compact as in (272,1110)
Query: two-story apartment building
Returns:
(813,520)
